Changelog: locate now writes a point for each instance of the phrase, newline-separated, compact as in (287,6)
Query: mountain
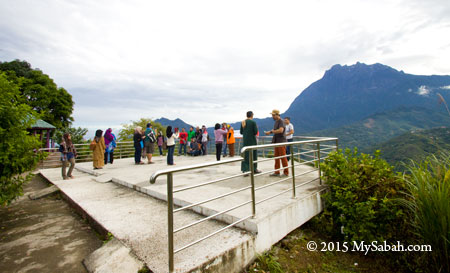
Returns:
(346,94)
(176,123)
(415,145)
(381,127)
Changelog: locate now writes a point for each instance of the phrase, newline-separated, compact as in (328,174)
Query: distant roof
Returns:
(40,124)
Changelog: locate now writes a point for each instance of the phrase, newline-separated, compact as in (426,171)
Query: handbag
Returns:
(164,146)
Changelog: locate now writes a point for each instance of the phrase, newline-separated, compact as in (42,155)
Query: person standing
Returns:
(204,140)
(219,133)
(289,135)
(98,147)
(183,141)
(249,130)
(278,132)
(137,138)
(68,155)
(231,140)
(171,136)
(160,140)
(110,143)
(191,134)
(224,145)
(149,142)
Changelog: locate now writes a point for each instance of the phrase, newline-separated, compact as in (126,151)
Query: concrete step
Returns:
(140,222)
(137,214)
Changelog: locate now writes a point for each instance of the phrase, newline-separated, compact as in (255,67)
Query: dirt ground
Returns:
(43,235)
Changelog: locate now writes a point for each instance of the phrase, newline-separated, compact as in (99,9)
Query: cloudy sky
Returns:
(211,61)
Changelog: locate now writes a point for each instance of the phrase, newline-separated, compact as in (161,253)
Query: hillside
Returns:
(176,123)
(414,145)
(347,94)
(381,127)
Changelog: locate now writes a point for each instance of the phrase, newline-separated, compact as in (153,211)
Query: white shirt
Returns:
(289,128)
(171,140)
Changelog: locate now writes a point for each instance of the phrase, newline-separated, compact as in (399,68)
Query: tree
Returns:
(77,134)
(126,134)
(55,105)
(17,146)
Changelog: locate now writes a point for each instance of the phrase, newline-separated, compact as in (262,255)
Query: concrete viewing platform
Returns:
(121,200)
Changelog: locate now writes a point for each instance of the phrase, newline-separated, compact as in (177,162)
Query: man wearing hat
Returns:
(278,132)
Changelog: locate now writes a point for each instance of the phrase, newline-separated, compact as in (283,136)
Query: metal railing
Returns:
(124,149)
(300,151)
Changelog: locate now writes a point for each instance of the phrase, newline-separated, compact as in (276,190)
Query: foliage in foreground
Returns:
(428,184)
(362,204)
(17,146)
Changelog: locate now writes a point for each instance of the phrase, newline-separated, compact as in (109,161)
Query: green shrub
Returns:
(428,184)
(362,201)
(17,146)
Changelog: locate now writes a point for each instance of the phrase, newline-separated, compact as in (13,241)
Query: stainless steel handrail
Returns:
(317,151)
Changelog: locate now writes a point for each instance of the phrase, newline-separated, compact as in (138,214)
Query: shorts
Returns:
(149,147)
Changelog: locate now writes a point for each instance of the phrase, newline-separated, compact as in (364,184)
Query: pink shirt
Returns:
(218,134)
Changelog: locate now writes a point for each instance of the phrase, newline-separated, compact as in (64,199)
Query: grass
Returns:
(292,255)
(429,191)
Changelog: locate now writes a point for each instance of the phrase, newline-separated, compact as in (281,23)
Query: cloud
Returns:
(205,61)
(423,91)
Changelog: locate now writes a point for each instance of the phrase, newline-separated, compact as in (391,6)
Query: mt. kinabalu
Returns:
(347,94)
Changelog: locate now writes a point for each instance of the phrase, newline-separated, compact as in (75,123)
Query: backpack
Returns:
(151,137)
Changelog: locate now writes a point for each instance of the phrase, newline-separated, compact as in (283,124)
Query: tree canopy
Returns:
(17,146)
(126,134)
(38,90)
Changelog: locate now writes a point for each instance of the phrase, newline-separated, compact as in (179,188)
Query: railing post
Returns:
(252,179)
(337,147)
(293,170)
(318,158)
(170,220)
(120,150)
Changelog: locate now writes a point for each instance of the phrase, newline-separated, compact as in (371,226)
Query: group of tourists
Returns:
(102,147)
(193,143)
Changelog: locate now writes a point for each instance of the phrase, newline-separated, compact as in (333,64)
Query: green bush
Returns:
(17,146)
(428,184)
(362,201)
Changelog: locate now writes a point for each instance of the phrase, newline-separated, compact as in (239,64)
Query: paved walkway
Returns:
(140,221)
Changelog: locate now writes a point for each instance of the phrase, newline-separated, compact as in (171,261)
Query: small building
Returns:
(44,129)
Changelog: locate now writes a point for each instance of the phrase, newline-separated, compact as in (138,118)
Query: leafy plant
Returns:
(38,90)
(361,204)
(77,134)
(428,186)
(126,134)
(269,262)
(17,146)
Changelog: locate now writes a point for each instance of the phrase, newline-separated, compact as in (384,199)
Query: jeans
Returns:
(160,150)
(218,150)
(182,147)
(109,157)
(65,163)
(224,145)
(170,150)
(204,148)
(137,154)
(288,149)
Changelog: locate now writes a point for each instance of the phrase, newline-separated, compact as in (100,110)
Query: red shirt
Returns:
(183,137)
